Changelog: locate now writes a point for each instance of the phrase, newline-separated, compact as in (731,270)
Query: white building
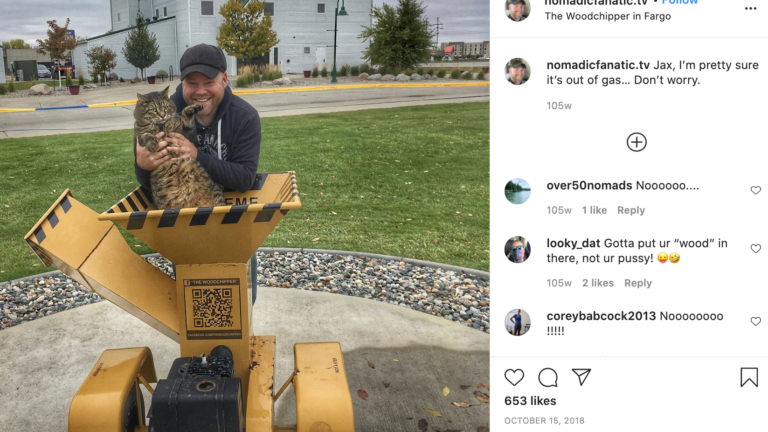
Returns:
(304,28)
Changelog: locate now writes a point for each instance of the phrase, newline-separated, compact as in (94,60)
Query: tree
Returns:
(58,43)
(15,44)
(141,49)
(400,37)
(102,60)
(246,31)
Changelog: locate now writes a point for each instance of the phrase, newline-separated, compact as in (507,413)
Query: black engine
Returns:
(200,395)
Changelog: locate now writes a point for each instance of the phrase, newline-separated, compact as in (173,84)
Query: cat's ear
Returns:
(143,98)
(164,93)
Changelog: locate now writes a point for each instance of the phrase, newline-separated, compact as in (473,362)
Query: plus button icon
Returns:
(637,142)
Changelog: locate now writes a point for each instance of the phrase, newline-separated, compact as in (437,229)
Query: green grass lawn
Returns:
(25,85)
(408,182)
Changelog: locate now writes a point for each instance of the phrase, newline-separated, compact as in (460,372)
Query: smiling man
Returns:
(516,69)
(516,9)
(228,128)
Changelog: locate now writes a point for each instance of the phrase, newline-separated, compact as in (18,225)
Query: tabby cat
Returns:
(179,184)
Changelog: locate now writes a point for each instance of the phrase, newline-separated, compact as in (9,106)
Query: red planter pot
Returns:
(151,80)
(307,74)
(74,90)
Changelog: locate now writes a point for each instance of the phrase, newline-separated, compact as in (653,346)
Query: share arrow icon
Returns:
(582,374)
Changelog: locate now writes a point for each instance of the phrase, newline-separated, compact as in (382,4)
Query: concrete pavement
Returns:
(37,123)
(415,357)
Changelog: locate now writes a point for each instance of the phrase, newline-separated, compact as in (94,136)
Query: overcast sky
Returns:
(463,20)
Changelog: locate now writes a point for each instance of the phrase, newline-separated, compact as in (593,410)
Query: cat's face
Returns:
(155,107)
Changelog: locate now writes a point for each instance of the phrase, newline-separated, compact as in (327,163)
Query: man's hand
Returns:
(181,147)
(148,160)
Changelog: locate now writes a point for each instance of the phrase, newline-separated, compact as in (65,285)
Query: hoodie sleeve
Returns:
(239,170)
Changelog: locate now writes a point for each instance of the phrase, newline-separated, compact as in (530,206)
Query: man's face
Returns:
(516,74)
(518,252)
(516,11)
(208,92)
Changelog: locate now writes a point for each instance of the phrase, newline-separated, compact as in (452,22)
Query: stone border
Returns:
(421,263)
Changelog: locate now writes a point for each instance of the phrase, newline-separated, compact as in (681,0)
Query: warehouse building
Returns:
(304,29)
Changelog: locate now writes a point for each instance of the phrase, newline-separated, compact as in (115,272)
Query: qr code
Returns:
(212,307)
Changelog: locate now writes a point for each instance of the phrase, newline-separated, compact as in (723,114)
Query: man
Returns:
(516,69)
(516,9)
(517,252)
(228,128)
(518,320)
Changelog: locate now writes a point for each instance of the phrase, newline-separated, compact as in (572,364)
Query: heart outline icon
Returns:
(756,248)
(756,189)
(514,381)
(756,321)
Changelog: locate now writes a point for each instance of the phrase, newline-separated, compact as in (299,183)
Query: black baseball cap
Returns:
(205,59)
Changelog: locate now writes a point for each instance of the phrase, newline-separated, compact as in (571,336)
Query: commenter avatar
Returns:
(518,10)
(517,71)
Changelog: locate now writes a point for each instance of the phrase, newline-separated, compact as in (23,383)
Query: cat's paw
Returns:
(150,141)
(191,110)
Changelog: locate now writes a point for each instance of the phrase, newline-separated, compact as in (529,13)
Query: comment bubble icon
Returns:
(548,377)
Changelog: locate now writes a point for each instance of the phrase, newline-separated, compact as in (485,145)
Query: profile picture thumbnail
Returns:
(517,71)
(517,191)
(517,322)
(517,10)
(517,249)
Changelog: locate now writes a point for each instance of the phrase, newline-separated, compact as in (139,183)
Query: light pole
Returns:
(342,12)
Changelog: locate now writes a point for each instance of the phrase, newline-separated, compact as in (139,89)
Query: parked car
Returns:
(43,72)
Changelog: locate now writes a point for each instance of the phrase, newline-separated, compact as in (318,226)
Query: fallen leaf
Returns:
(370,365)
(446,391)
(432,412)
(35,265)
(423,425)
(482,397)
(320,184)
(136,245)
(386,384)
(464,387)
(363,394)
(486,385)
(408,183)
(371,262)
(395,360)
(333,213)
(435,240)
(462,404)
(316,239)
(426,171)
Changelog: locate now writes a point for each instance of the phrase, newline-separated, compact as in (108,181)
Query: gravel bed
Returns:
(464,299)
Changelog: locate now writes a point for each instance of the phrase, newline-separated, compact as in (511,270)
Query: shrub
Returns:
(80,79)
(409,72)
(344,70)
(94,80)
(3,90)
(383,70)
(314,71)
(121,79)
(278,74)
(467,76)
(431,72)
(441,73)
(365,68)
(420,71)
(11,86)
(354,71)
(455,74)
(242,82)
(68,81)
(267,76)
(481,75)
(255,77)
(324,71)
